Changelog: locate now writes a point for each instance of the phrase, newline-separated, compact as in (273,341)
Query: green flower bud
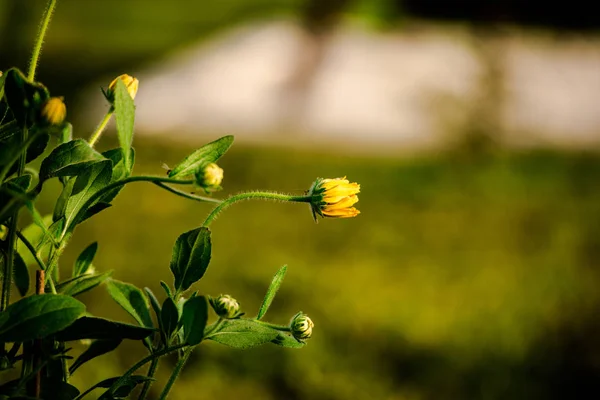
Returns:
(301,326)
(210,177)
(225,306)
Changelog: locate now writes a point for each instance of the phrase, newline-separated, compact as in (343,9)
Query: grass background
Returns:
(465,276)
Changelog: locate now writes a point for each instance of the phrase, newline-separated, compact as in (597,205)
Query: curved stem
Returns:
(138,365)
(39,41)
(31,249)
(175,374)
(100,128)
(252,195)
(147,384)
(187,195)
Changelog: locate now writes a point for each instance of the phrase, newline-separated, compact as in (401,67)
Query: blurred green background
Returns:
(471,273)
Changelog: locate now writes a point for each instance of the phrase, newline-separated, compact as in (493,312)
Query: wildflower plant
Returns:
(36,329)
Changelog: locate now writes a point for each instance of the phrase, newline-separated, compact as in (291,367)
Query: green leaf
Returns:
(120,170)
(193,319)
(203,156)
(243,334)
(272,291)
(36,317)
(157,311)
(96,349)
(132,300)
(169,318)
(23,97)
(166,288)
(89,327)
(82,283)
(93,179)
(191,256)
(125,389)
(84,261)
(2,78)
(21,275)
(69,159)
(60,208)
(125,118)
(34,234)
(285,340)
(13,143)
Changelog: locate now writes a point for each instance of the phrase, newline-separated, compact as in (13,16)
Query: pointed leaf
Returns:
(69,159)
(132,300)
(205,155)
(169,317)
(82,283)
(191,256)
(93,179)
(193,319)
(84,261)
(125,117)
(125,389)
(60,208)
(89,327)
(36,317)
(243,334)
(272,291)
(96,349)
(21,275)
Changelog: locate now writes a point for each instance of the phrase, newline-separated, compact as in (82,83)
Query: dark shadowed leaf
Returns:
(169,317)
(285,340)
(193,319)
(38,316)
(191,256)
(21,275)
(123,390)
(84,261)
(99,328)
(96,349)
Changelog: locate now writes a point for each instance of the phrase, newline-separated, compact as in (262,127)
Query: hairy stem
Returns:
(252,195)
(39,40)
(151,371)
(175,374)
(100,128)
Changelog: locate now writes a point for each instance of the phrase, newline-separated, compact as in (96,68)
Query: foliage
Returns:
(40,324)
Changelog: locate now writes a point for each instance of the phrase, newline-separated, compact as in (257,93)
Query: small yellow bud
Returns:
(210,177)
(301,326)
(225,306)
(334,198)
(130,82)
(54,111)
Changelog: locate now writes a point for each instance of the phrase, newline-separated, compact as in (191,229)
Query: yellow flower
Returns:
(54,111)
(210,177)
(130,82)
(334,198)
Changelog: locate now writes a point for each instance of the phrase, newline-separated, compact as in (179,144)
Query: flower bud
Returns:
(130,82)
(54,111)
(210,177)
(301,326)
(334,198)
(225,306)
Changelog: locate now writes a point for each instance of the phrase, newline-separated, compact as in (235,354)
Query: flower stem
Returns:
(39,40)
(147,384)
(187,195)
(175,374)
(138,365)
(100,128)
(252,195)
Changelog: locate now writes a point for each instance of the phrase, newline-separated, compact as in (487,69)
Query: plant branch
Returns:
(39,40)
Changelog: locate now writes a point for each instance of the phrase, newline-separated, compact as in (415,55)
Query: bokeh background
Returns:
(472,127)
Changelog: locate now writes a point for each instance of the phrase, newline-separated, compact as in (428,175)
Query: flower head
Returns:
(130,82)
(301,326)
(225,306)
(334,198)
(210,177)
(54,111)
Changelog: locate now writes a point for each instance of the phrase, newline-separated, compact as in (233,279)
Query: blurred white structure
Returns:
(395,90)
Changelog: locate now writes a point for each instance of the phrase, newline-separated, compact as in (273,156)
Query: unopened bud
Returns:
(130,82)
(225,306)
(301,326)
(54,111)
